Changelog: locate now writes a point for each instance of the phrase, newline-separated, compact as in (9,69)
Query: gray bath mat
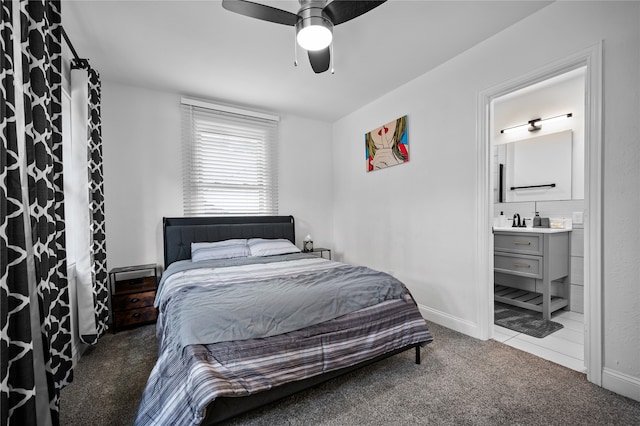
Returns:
(523,321)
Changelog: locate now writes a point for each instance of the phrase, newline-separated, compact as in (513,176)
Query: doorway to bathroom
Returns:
(587,63)
(537,142)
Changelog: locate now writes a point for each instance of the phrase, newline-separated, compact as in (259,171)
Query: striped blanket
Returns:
(184,382)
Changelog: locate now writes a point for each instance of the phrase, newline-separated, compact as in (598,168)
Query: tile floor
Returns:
(564,347)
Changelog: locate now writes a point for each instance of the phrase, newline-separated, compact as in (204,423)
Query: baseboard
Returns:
(621,383)
(446,320)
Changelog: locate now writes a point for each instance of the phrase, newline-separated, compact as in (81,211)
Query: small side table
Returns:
(132,298)
(321,251)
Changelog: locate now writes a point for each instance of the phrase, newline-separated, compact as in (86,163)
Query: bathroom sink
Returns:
(534,230)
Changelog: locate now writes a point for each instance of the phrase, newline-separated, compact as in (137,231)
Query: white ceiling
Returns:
(199,49)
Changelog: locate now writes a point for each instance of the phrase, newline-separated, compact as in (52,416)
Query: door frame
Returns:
(592,59)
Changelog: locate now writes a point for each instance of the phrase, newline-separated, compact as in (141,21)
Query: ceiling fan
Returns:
(314,22)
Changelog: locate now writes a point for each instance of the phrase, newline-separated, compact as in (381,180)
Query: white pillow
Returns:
(226,249)
(271,247)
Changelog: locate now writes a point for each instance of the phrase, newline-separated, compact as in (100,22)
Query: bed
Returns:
(245,319)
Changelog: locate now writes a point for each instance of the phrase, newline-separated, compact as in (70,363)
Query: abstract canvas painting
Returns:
(387,145)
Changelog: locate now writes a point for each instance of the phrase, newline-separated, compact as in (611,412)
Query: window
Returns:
(230,161)
(71,189)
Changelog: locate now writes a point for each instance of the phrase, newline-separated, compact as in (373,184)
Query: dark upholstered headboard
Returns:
(180,232)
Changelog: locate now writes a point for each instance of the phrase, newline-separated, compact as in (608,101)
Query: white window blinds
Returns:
(230,163)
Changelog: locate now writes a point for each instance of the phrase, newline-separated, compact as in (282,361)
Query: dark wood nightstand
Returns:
(132,295)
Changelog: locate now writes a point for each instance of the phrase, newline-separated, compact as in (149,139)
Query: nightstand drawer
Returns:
(135,285)
(518,243)
(135,316)
(133,301)
(526,266)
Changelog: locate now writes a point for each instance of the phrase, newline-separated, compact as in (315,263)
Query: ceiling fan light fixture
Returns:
(314,33)
(314,23)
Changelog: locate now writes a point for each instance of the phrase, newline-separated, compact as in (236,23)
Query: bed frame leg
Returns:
(417,354)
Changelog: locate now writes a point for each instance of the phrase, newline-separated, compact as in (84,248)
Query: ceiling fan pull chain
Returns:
(333,71)
(295,51)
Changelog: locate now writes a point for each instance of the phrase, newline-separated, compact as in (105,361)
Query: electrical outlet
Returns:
(577,218)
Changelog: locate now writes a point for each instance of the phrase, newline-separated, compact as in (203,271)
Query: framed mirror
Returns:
(536,169)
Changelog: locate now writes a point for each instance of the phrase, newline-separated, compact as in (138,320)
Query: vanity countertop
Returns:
(531,230)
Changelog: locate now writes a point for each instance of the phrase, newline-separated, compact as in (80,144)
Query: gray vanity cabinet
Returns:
(539,256)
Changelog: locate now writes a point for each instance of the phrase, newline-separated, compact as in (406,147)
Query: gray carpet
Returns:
(523,321)
(461,381)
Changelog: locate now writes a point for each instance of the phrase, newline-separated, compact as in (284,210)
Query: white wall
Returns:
(306,178)
(143,176)
(418,219)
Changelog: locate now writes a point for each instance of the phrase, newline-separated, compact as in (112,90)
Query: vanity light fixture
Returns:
(536,124)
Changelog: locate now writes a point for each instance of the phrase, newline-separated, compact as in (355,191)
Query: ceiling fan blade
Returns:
(345,10)
(260,11)
(320,60)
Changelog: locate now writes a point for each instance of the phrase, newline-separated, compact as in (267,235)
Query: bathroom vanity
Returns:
(540,255)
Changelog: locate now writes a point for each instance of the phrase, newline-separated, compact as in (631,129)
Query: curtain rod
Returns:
(77,62)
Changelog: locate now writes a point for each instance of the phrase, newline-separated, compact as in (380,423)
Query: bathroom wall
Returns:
(560,95)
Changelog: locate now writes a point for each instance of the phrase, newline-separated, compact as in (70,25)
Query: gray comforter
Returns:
(244,305)
(185,382)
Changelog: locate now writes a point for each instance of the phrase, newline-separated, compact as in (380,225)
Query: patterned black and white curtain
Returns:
(91,266)
(35,335)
